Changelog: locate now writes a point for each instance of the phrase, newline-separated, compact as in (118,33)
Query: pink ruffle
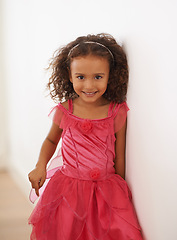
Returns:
(85,210)
(56,115)
(120,116)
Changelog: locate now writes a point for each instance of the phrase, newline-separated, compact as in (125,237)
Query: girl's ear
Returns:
(70,78)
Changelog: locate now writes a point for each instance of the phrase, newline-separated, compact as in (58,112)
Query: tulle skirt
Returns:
(75,209)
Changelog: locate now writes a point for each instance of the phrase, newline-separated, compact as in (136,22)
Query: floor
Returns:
(14,210)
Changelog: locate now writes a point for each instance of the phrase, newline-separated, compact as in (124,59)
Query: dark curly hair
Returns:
(59,83)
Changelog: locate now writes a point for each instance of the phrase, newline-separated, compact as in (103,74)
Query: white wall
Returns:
(34,29)
(3,97)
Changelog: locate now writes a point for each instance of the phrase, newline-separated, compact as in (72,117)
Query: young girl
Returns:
(87,197)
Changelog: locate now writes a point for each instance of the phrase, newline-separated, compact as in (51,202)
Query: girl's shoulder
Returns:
(65,104)
(120,115)
(62,115)
(111,108)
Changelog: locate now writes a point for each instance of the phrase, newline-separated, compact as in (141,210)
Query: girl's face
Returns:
(89,75)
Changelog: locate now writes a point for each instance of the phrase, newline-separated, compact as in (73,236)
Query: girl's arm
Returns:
(38,175)
(120,151)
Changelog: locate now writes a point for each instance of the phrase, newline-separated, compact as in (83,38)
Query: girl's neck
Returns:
(91,105)
(95,110)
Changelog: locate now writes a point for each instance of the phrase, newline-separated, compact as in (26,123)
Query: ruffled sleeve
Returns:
(120,115)
(56,114)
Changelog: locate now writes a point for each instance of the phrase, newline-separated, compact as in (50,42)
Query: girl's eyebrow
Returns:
(93,74)
(99,73)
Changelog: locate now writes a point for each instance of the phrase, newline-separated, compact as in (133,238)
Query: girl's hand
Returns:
(37,178)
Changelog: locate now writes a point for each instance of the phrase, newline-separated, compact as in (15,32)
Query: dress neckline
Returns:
(70,111)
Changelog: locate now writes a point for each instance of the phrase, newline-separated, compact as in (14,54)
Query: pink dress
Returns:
(85,199)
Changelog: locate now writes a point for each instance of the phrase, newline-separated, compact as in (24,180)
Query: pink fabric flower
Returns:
(95,173)
(86,126)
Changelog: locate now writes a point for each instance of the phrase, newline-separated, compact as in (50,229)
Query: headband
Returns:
(91,42)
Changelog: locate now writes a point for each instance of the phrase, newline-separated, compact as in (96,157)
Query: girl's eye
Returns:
(80,77)
(98,77)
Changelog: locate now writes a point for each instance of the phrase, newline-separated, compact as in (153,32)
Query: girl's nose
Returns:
(89,84)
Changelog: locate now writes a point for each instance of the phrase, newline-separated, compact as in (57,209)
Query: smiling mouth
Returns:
(90,93)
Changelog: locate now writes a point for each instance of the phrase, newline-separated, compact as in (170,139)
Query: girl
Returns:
(87,197)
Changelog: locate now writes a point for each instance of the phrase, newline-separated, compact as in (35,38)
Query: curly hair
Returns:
(59,84)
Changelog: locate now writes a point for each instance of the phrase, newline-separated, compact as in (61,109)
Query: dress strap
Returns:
(111,107)
(70,105)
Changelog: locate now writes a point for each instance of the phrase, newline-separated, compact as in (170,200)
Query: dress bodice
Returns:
(88,145)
